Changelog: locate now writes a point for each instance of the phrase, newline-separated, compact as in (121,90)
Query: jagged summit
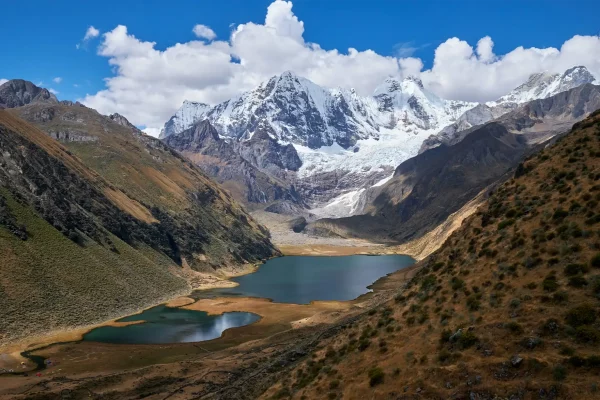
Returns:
(19,92)
(538,86)
(544,84)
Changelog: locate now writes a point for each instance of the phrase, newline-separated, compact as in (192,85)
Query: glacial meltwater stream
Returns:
(293,279)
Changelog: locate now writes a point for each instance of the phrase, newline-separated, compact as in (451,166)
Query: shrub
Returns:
(515,303)
(376,376)
(575,269)
(595,261)
(473,302)
(363,344)
(582,315)
(577,281)
(428,282)
(334,384)
(467,339)
(559,214)
(506,223)
(587,334)
(514,327)
(559,373)
(560,297)
(550,284)
(456,283)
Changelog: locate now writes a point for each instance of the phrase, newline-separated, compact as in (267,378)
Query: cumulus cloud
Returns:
(462,72)
(148,84)
(3,81)
(58,79)
(204,32)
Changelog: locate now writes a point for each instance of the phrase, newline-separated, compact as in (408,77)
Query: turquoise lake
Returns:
(302,279)
(170,325)
(293,279)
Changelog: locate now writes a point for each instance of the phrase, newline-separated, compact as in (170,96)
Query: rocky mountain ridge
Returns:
(346,143)
(538,86)
(429,187)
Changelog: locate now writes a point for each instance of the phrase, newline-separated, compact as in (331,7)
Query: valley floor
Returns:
(301,244)
(240,364)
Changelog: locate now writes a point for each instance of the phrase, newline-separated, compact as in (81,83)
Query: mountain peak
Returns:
(577,74)
(545,84)
(19,92)
(413,80)
(191,103)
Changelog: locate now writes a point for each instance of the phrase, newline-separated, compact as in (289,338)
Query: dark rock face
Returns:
(220,159)
(428,188)
(264,152)
(18,92)
(121,120)
(71,203)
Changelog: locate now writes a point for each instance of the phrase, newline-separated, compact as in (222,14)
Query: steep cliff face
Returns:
(222,160)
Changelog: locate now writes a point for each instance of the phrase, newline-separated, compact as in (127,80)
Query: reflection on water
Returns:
(286,280)
(170,325)
(300,280)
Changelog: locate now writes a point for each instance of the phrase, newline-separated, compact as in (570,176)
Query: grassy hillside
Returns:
(507,308)
(81,245)
(208,227)
(48,282)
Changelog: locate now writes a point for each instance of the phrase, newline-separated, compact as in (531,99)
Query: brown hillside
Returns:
(508,308)
(80,246)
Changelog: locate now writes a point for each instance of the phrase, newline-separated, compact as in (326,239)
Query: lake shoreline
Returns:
(275,317)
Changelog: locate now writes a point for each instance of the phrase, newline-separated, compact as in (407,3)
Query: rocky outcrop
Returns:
(222,160)
(18,92)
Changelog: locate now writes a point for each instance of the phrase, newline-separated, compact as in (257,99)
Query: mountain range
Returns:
(348,143)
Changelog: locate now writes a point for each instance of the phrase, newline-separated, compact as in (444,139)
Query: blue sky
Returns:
(44,47)
(44,34)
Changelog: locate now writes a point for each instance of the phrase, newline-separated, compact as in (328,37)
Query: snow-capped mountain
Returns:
(347,142)
(298,110)
(538,86)
(545,84)
(407,104)
(188,114)
(306,114)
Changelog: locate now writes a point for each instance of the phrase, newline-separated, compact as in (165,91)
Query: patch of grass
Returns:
(583,315)
(376,376)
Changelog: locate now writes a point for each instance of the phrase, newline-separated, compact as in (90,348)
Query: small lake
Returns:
(302,279)
(293,279)
(170,325)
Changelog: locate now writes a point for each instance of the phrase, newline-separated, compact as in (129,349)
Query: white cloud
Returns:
(91,33)
(54,92)
(75,85)
(58,79)
(204,32)
(151,131)
(148,84)
(3,81)
(461,72)
(407,49)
